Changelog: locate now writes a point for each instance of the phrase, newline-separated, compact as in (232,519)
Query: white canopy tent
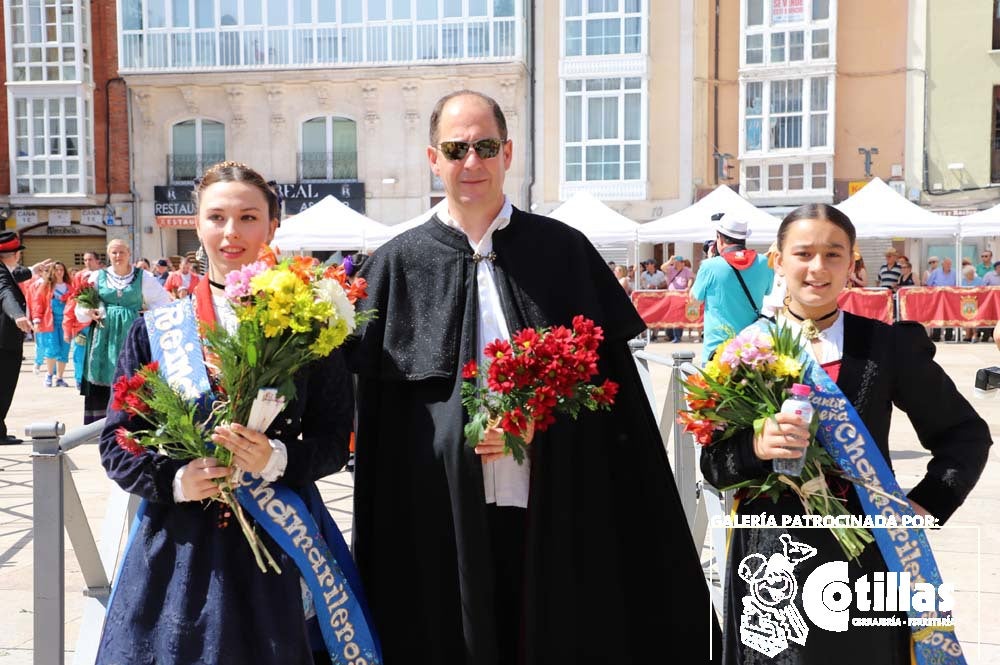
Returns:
(985,223)
(603,226)
(328,225)
(879,211)
(694,223)
(389,231)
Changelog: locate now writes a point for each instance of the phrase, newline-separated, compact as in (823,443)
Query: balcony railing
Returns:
(375,43)
(341,165)
(184,168)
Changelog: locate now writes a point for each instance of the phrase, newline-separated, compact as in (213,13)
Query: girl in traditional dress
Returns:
(48,303)
(189,590)
(876,366)
(124,291)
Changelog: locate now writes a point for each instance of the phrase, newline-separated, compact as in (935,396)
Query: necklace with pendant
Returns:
(809,329)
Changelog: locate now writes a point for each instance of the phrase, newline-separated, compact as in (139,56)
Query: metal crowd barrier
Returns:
(57,510)
(701,501)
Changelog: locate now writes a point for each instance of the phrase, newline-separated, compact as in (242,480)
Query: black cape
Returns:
(611,572)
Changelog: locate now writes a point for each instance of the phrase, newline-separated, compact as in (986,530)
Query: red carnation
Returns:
(470,370)
(514,422)
(127,442)
(607,392)
(498,348)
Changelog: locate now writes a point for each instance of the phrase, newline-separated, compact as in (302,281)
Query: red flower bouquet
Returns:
(540,373)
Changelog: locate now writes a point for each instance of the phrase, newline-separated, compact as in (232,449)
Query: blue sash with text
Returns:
(341,610)
(330,575)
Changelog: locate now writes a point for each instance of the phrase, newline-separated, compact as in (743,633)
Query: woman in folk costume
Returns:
(875,366)
(73,329)
(190,590)
(124,291)
(47,306)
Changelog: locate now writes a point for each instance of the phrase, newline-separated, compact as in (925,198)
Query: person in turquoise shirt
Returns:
(728,306)
(985,264)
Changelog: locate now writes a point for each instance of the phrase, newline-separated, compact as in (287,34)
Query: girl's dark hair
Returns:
(821,211)
(51,277)
(237,172)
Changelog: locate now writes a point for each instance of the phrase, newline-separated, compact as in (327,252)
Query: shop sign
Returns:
(854,186)
(92,216)
(26,216)
(59,217)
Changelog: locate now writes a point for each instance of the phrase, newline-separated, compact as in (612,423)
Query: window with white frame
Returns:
(788,177)
(602,27)
(49,40)
(603,129)
(329,149)
(782,32)
(794,112)
(196,145)
(206,34)
(53,147)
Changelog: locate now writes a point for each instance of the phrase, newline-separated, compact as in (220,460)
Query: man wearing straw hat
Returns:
(732,285)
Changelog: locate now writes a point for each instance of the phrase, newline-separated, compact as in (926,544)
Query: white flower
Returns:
(330,290)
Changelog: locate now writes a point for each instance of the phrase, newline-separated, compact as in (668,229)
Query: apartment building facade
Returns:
(805,100)
(64,129)
(327,97)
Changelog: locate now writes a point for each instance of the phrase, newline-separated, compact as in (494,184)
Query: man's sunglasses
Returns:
(456,150)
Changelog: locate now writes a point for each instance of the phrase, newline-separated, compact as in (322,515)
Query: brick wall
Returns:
(104,49)
(109,95)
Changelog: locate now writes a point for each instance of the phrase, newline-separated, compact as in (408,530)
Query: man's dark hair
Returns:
(489,101)
(729,240)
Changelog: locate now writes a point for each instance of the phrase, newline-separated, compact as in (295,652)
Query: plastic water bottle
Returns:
(797,403)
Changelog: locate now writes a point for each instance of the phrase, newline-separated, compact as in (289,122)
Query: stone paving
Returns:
(967,549)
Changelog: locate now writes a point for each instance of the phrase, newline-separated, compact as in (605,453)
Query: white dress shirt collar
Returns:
(485,245)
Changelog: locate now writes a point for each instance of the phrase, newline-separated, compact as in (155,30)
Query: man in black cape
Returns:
(582,554)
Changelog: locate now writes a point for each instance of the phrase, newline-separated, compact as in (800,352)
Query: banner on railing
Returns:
(675,309)
(948,306)
(872,303)
(669,309)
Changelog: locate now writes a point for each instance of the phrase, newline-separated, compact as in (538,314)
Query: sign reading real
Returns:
(175,200)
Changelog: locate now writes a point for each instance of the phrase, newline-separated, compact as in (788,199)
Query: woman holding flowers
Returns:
(123,291)
(875,366)
(190,590)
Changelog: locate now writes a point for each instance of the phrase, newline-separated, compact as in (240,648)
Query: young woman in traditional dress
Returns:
(876,366)
(190,590)
(124,291)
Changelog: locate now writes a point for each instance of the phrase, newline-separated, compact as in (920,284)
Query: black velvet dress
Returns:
(882,365)
(191,592)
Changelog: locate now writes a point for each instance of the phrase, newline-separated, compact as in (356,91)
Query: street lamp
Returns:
(868,152)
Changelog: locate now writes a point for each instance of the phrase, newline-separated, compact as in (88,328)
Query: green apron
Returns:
(122,308)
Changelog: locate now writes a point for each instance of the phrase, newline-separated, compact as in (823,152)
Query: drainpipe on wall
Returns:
(530,133)
(715,91)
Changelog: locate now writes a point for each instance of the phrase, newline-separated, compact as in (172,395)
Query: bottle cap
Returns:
(801,389)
